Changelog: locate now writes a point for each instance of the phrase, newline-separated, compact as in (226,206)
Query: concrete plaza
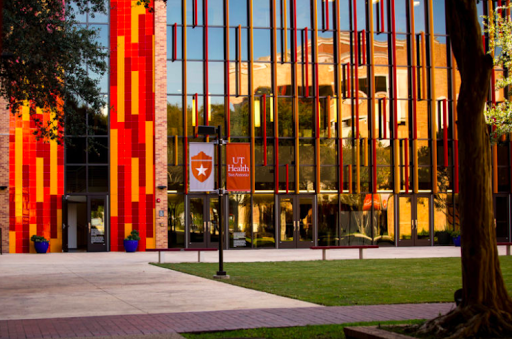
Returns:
(77,286)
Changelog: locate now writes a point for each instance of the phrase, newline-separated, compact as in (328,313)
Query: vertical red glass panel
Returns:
(326,14)
(393,39)
(306,61)
(197,115)
(264,119)
(195,13)
(206,91)
(382,27)
(185,172)
(406,164)
(374,149)
(174,41)
(356,68)
(340,148)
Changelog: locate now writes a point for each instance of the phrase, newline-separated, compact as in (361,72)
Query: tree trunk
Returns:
(486,308)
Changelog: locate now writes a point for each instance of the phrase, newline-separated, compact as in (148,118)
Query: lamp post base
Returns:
(221,275)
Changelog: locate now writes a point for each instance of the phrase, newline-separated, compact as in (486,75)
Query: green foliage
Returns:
(37,238)
(133,236)
(48,60)
(455,234)
(499,28)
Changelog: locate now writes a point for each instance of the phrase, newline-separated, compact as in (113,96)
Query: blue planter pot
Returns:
(456,241)
(131,245)
(41,247)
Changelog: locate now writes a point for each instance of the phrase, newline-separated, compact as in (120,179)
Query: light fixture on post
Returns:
(3,188)
(161,187)
(206,131)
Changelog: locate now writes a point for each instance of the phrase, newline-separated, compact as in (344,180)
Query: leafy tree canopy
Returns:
(47,59)
(499,28)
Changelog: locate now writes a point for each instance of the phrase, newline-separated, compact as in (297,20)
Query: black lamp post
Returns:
(211,130)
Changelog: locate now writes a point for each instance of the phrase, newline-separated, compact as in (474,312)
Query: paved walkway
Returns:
(92,284)
(153,325)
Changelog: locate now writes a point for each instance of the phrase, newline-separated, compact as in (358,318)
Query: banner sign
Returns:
(201,167)
(238,157)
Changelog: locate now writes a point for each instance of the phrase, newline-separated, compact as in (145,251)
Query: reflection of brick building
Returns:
(342,166)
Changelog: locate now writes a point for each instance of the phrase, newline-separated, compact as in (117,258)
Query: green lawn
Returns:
(306,332)
(349,282)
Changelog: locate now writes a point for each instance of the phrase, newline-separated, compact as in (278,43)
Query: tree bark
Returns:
(486,308)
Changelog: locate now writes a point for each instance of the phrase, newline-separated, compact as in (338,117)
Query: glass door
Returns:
(287,224)
(97,224)
(203,221)
(414,220)
(405,220)
(501,217)
(296,221)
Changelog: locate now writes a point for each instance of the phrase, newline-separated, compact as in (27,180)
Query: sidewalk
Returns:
(121,326)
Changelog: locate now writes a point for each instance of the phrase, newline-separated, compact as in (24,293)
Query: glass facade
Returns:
(351,102)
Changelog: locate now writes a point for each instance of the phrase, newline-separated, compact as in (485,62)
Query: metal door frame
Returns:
(207,243)
(98,247)
(296,243)
(414,241)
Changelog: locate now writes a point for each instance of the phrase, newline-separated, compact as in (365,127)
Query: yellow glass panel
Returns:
(423,218)
(405,217)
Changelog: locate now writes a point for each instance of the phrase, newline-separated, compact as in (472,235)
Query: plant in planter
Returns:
(40,243)
(443,237)
(456,238)
(132,241)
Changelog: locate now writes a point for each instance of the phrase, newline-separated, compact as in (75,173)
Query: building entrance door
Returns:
(203,221)
(501,217)
(414,220)
(85,223)
(296,221)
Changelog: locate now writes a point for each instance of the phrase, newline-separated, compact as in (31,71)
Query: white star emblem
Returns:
(201,170)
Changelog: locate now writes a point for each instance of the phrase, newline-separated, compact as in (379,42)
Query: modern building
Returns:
(349,107)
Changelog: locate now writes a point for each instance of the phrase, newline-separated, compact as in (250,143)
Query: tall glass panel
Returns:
(263,220)
(306,226)
(239,221)
(422,218)
(384,220)
(405,218)
(214,219)
(328,233)
(197,221)
(176,220)
(355,220)
(286,220)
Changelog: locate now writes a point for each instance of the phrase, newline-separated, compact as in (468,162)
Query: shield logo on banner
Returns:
(201,166)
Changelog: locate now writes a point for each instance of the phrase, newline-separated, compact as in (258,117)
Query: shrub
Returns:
(133,236)
(37,238)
